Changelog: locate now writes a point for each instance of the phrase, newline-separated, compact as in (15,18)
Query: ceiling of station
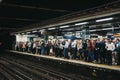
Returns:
(16,14)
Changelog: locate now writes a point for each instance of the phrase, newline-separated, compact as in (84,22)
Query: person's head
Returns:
(66,40)
(109,40)
(118,40)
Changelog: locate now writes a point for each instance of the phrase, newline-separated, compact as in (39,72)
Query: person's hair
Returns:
(118,39)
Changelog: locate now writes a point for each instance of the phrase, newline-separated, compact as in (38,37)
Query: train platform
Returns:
(90,64)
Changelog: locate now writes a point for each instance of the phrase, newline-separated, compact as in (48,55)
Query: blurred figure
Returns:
(92,46)
(102,50)
(61,49)
(34,48)
(29,46)
(56,48)
(110,46)
(80,50)
(73,49)
(88,51)
(16,46)
(85,50)
(117,54)
(48,46)
(23,47)
(42,47)
(65,52)
(97,50)
(26,46)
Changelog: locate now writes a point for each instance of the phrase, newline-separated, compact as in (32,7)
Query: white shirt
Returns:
(73,44)
(66,44)
(79,46)
(34,45)
(61,46)
(29,44)
(110,46)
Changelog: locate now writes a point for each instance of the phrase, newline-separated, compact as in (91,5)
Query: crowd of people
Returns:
(103,51)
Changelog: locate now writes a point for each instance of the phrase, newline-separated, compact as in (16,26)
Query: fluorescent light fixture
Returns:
(42,30)
(81,23)
(28,32)
(34,31)
(107,28)
(92,30)
(101,29)
(105,19)
(64,26)
(51,28)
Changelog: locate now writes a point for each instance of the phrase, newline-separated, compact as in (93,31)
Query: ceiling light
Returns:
(81,23)
(92,30)
(51,28)
(28,32)
(42,30)
(34,31)
(64,26)
(107,28)
(101,29)
(105,19)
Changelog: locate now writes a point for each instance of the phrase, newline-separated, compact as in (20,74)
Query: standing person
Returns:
(39,47)
(29,46)
(23,47)
(73,49)
(85,50)
(88,53)
(42,48)
(20,46)
(102,50)
(26,45)
(92,46)
(97,50)
(80,50)
(48,46)
(65,52)
(16,46)
(34,48)
(61,49)
(118,51)
(56,48)
(53,49)
(110,46)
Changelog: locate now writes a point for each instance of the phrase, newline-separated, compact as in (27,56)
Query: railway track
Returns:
(50,70)
(12,72)
(25,70)
(22,67)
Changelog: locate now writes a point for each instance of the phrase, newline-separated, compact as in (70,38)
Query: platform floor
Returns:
(111,67)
